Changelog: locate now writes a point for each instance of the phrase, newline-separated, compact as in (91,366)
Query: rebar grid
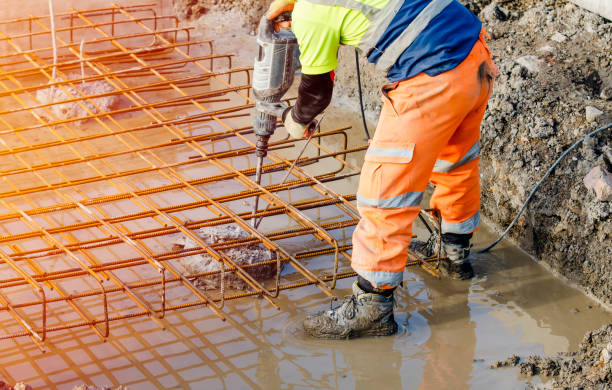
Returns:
(93,202)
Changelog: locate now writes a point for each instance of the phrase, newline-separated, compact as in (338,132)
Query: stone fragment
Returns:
(558,37)
(547,50)
(592,113)
(606,356)
(493,13)
(529,63)
(599,181)
(606,93)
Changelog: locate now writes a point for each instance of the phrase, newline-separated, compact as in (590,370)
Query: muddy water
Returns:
(450,332)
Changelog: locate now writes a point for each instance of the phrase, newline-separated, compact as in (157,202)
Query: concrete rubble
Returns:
(18,386)
(243,255)
(70,110)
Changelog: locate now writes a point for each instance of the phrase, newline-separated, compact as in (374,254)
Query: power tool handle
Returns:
(284,17)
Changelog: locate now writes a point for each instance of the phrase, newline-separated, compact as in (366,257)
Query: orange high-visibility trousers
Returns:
(428,131)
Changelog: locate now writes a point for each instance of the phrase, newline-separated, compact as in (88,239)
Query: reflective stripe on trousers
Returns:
(429,131)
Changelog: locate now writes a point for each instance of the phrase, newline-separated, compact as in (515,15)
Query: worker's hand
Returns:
(277,8)
(298,130)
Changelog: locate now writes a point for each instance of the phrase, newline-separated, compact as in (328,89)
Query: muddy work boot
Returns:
(455,251)
(457,264)
(361,314)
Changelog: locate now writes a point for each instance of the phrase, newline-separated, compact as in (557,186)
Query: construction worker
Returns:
(440,78)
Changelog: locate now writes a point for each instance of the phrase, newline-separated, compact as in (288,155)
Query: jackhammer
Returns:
(273,74)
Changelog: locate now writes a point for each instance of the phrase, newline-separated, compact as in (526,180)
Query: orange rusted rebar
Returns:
(101,194)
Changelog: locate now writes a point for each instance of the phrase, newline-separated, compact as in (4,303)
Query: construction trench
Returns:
(130,157)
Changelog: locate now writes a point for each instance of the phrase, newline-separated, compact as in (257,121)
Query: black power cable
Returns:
(365,125)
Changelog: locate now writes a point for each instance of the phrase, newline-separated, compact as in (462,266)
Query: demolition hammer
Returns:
(273,74)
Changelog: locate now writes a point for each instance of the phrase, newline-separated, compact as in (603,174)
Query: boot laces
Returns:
(348,308)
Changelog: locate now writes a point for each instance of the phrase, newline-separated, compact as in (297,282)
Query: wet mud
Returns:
(590,367)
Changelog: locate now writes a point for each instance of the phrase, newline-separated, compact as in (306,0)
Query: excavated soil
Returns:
(555,63)
(250,10)
(588,368)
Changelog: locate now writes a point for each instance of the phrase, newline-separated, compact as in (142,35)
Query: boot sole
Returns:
(387,329)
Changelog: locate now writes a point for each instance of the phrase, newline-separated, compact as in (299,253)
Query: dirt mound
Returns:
(243,255)
(588,368)
(252,10)
(554,63)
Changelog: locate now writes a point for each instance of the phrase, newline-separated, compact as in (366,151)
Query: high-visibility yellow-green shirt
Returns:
(335,26)
(444,43)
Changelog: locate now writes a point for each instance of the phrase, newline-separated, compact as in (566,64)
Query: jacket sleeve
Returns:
(314,95)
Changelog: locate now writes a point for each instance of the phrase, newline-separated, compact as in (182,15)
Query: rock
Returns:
(529,63)
(592,113)
(606,93)
(599,181)
(547,50)
(606,356)
(512,361)
(493,13)
(558,37)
